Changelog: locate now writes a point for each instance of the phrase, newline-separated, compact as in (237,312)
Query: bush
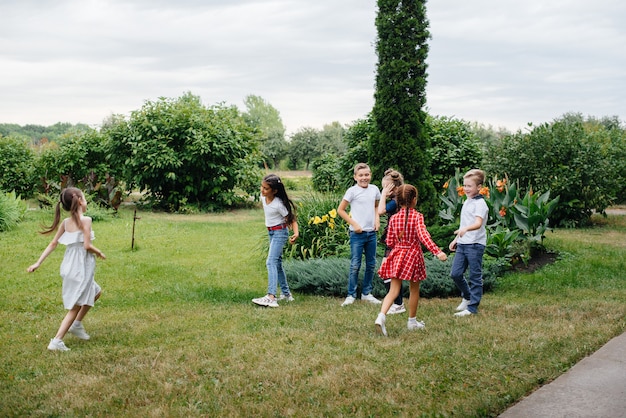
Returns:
(16,166)
(454,145)
(12,210)
(182,153)
(329,277)
(322,232)
(565,158)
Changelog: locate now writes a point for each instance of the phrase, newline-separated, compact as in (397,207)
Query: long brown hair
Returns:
(70,200)
(407,199)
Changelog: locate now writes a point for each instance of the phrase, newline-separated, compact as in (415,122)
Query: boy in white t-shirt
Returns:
(364,222)
(469,244)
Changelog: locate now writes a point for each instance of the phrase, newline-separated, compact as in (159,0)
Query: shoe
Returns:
(463,305)
(349,301)
(371,299)
(78,330)
(57,346)
(396,309)
(266,301)
(413,325)
(380,324)
(464,312)
(287,298)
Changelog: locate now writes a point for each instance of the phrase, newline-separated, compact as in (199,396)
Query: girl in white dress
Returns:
(80,291)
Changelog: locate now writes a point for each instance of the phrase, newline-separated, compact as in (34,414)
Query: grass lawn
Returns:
(175,333)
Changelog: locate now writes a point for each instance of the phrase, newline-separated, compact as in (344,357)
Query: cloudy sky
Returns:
(502,63)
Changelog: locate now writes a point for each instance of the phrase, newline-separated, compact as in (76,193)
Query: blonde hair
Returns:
(361,166)
(393,176)
(477,175)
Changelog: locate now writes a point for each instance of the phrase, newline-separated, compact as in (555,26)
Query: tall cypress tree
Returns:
(399,138)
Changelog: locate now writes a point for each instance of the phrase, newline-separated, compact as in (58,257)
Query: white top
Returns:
(471,209)
(275,212)
(363,205)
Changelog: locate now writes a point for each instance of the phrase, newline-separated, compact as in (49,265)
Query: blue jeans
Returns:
(365,242)
(469,255)
(274,263)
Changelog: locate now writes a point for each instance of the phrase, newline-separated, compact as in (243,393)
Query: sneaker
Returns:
(286,298)
(396,309)
(266,301)
(57,346)
(413,325)
(463,305)
(349,301)
(78,330)
(380,324)
(464,312)
(371,299)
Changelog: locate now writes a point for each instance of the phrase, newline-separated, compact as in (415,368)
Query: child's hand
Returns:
(442,256)
(32,268)
(293,238)
(452,246)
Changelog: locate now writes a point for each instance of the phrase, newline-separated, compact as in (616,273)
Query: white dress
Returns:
(77,270)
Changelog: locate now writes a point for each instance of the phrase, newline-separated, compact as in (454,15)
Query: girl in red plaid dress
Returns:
(405,236)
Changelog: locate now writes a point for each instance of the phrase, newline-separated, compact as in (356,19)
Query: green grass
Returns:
(175,333)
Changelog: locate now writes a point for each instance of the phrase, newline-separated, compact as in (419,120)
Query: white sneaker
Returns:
(396,309)
(57,346)
(464,312)
(463,305)
(371,299)
(78,330)
(286,298)
(266,301)
(380,324)
(349,301)
(413,325)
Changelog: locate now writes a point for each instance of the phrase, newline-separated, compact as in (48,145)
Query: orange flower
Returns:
(503,211)
(484,191)
(445,186)
(500,185)
(460,190)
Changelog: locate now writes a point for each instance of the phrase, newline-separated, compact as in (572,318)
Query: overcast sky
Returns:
(502,63)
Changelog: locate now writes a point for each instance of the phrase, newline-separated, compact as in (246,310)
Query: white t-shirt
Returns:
(471,209)
(275,212)
(363,205)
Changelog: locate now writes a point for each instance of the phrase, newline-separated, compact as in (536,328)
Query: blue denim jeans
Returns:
(469,255)
(365,242)
(274,263)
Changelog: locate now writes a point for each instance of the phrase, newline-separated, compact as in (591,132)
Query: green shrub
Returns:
(16,166)
(329,277)
(454,145)
(12,210)
(322,232)
(326,175)
(565,158)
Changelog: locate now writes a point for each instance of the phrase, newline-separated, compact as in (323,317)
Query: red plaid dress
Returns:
(406,260)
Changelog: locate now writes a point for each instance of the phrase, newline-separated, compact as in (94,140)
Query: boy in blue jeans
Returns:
(469,244)
(364,222)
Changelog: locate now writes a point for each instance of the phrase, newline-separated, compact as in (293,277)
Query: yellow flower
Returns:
(311,220)
(333,213)
(331,224)
(325,218)
(317,220)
